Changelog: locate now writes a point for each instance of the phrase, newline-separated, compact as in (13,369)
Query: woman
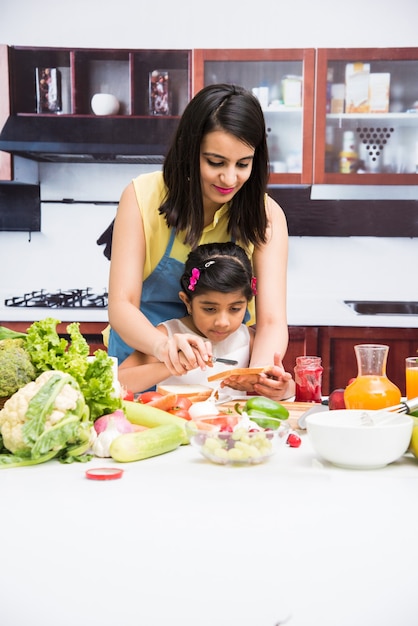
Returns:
(212,189)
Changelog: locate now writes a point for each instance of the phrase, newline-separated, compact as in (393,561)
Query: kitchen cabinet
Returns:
(366,120)
(336,347)
(92,331)
(51,90)
(302,340)
(83,72)
(283,80)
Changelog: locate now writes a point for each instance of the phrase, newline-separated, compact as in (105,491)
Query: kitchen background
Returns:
(65,254)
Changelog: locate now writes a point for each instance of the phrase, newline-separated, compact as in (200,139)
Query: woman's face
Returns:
(225,165)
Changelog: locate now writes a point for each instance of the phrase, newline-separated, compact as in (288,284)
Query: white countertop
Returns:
(181,541)
(303,310)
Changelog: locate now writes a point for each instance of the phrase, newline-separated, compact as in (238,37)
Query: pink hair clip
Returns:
(254,285)
(193,279)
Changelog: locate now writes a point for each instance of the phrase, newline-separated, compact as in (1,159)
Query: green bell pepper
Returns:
(259,406)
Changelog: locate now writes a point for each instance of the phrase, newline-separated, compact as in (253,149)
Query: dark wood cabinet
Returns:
(302,340)
(336,347)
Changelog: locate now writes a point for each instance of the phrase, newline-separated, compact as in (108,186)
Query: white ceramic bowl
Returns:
(104,104)
(358,439)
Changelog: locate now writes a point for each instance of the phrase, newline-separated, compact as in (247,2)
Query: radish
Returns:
(119,420)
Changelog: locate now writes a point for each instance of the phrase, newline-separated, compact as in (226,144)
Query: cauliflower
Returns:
(44,417)
(16,368)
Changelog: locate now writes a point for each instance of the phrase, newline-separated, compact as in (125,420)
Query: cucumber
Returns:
(149,416)
(144,444)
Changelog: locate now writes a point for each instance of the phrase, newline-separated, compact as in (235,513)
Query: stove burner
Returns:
(70,298)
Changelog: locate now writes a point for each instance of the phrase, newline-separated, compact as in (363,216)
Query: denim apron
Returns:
(159,301)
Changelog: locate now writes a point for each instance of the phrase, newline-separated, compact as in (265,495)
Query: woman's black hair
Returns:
(236,111)
(223,267)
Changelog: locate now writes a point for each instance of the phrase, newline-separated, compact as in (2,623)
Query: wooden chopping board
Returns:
(296,409)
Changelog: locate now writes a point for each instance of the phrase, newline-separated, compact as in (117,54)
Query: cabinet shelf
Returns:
(402,119)
(83,72)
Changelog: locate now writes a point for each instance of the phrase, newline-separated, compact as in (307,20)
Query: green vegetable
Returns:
(151,417)
(259,406)
(7,333)
(16,368)
(49,351)
(147,443)
(44,419)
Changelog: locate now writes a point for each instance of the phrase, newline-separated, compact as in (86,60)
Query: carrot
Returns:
(165,403)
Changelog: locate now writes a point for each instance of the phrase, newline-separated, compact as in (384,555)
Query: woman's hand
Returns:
(275,383)
(183,352)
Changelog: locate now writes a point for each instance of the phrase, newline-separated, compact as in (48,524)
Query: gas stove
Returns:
(61,299)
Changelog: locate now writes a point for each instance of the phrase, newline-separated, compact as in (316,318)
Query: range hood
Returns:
(86,139)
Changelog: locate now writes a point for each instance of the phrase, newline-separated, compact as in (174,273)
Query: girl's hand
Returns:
(275,383)
(183,352)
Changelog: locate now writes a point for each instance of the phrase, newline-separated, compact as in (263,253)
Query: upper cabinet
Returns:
(93,105)
(145,83)
(283,81)
(366,124)
(333,116)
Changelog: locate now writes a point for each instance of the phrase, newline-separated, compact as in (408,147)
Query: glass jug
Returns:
(372,389)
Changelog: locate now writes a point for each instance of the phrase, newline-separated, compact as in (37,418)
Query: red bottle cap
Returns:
(104,473)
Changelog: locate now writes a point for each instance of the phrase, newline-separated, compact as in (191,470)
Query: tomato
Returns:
(180,413)
(148,396)
(127,394)
(293,440)
(183,403)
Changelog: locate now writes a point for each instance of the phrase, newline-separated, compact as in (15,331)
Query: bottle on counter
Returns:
(348,155)
(308,379)
(372,389)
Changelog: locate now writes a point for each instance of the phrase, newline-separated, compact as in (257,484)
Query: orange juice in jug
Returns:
(372,389)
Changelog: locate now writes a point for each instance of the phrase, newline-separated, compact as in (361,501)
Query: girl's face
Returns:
(225,165)
(216,315)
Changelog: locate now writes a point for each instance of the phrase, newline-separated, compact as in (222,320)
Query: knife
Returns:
(218,359)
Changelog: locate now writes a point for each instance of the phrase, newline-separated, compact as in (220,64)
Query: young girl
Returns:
(216,287)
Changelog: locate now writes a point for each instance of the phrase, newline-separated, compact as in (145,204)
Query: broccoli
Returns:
(16,367)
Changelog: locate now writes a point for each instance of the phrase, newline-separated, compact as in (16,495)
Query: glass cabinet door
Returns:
(367,117)
(283,82)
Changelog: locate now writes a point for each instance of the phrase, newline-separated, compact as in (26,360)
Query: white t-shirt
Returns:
(236,347)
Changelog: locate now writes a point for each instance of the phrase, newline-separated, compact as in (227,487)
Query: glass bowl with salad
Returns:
(237,439)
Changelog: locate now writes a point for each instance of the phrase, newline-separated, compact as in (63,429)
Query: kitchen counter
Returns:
(181,541)
(303,310)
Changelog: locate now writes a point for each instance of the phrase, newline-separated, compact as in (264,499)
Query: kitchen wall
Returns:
(65,253)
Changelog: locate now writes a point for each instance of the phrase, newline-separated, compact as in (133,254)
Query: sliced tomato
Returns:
(183,403)
(148,396)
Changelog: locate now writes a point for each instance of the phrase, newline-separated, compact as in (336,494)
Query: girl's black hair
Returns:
(223,267)
(236,111)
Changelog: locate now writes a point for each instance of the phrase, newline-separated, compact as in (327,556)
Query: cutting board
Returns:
(296,409)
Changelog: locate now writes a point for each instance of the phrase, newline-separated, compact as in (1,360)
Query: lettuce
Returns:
(49,351)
